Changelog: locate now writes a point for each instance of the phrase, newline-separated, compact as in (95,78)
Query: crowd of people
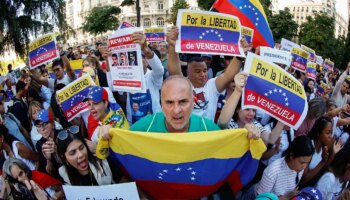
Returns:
(42,150)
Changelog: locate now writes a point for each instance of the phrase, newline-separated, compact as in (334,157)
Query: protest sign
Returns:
(311,70)
(123,191)
(299,59)
(319,60)
(312,54)
(125,25)
(42,50)
(248,34)
(125,61)
(154,34)
(328,65)
(206,32)
(287,45)
(321,88)
(71,96)
(276,56)
(275,91)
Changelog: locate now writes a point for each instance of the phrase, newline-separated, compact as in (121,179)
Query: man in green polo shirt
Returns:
(177,106)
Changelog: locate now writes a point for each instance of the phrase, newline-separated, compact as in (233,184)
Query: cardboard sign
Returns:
(154,34)
(312,54)
(42,50)
(71,97)
(276,56)
(274,91)
(206,32)
(328,65)
(299,60)
(123,191)
(125,61)
(287,45)
(311,70)
(248,34)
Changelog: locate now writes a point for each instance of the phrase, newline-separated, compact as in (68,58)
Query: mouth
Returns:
(178,119)
(83,165)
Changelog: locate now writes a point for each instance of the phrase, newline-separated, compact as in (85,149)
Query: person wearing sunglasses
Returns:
(49,161)
(80,166)
(109,115)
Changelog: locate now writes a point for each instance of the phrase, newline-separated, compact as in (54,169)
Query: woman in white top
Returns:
(325,149)
(333,183)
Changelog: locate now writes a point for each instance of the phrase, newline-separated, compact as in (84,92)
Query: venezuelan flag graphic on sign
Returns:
(328,65)
(42,50)
(186,165)
(252,15)
(275,91)
(311,70)
(312,53)
(248,34)
(299,60)
(208,32)
(154,34)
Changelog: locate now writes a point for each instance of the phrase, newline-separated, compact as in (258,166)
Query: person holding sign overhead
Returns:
(339,94)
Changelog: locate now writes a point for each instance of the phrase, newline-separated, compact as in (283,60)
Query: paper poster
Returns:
(287,45)
(299,59)
(204,32)
(248,34)
(122,191)
(311,70)
(42,50)
(275,91)
(125,61)
(71,97)
(311,52)
(328,65)
(125,25)
(154,34)
(319,60)
(276,56)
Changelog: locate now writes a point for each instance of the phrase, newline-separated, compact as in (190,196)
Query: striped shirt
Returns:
(279,179)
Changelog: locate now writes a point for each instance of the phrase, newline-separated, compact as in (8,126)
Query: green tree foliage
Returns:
(205,4)
(101,20)
(22,19)
(266,4)
(318,33)
(282,25)
(179,4)
(346,50)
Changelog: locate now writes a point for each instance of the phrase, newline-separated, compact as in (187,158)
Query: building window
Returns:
(160,5)
(302,9)
(134,22)
(160,21)
(298,9)
(293,9)
(147,22)
(307,9)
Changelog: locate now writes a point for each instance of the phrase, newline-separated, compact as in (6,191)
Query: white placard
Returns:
(125,61)
(287,45)
(124,191)
(319,60)
(276,56)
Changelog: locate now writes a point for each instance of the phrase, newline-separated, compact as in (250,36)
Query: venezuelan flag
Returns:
(252,15)
(186,165)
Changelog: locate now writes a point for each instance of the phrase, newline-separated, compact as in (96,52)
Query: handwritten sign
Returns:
(125,61)
(311,70)
(124,191)
(71,97)
(275,91)
(328,65)
(287,45)
(206,32)
(276,56)
(42,50)
(312,54)
(299,59)
(248,34)
(154,34)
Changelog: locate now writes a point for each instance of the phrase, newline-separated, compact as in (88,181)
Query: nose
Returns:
(177,108)
(80,154)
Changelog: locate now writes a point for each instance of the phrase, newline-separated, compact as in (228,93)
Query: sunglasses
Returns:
(42,125)
(63,135)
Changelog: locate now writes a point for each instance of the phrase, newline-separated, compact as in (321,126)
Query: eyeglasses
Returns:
(62,135)
(42,125)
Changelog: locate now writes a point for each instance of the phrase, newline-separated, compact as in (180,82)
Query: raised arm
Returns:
(174,66)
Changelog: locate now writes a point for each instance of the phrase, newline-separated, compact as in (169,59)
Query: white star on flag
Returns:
(178,169)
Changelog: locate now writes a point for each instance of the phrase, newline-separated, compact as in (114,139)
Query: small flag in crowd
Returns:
(328,65)
(275,91)
(312,53)
(186,166)
(252,15)
(125,25)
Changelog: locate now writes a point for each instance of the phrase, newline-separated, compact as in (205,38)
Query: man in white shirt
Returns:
(339,94)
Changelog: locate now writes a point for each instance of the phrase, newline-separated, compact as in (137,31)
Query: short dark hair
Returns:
(340,162)
(301,146)
(57,62)
(20,86)
(195,59)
